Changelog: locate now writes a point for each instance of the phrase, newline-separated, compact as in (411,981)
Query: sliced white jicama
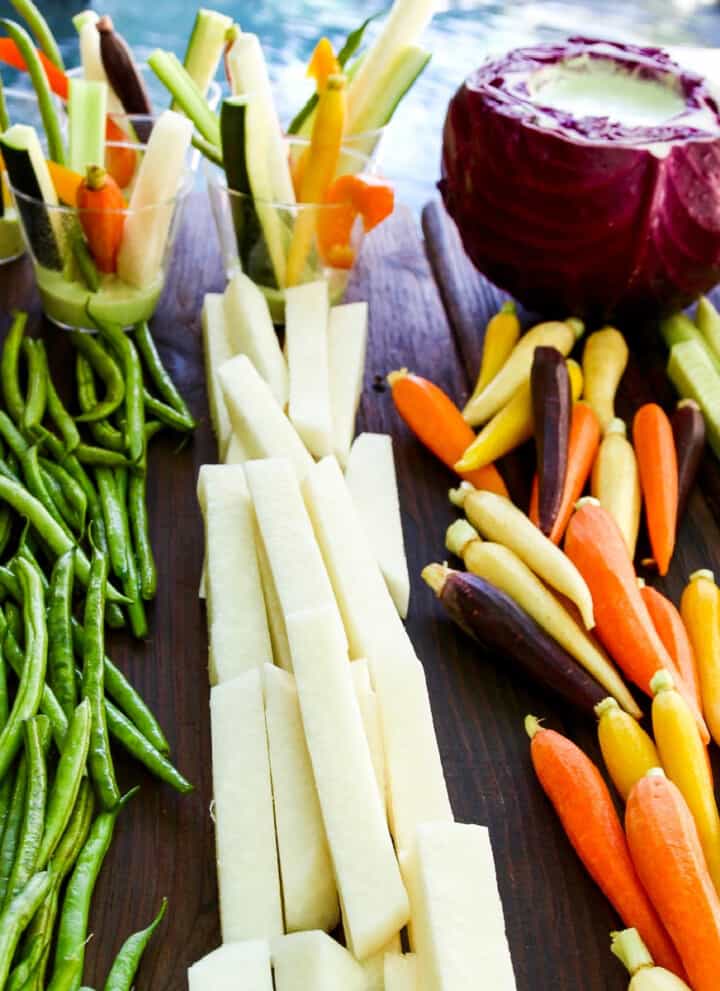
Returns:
(91,59)
(243,965)
(458,921)
(367,700)
(152,203)
(401,973)
(347,349)
(310,899)
(374,966)
(313,961)
(248,873)
(257,419)
(295,560)
(239,636)
(273,607)
(306,341)
(216,348)
(250,331)
(373,898)
(372,481)
(236,453)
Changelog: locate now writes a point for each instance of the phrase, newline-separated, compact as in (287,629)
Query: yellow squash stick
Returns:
(504,569)
(685,761)
(628,751)
(501,336)
(318,172)
(700,611)
(616,481)
(604,360)
(512,426)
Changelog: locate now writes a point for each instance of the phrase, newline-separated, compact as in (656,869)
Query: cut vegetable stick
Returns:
(91,59)
(216,348)
(306,340)
(248,874)
(371,478)
(152,204)
(205,47)
(374,966)
(250,331)
(273,607)
(256,417)
(347,341)
(236,453)
(372,895)
(233,965)
(312,961)
(239,636)
(370,712)
(295,560)
(310,898)
(457,914)
(87,110)
(401,973)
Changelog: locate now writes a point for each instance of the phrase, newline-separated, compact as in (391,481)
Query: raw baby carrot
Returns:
(628,751)
(667,855)
(645,976)
(101,205)
(657,463)
(586,810)
(700,610)
(437,422)
(501,336)
(671,630)
(689,432)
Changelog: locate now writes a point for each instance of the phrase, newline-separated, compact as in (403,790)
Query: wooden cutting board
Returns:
(558,923)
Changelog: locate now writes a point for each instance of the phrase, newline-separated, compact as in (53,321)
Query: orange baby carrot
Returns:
(586,810)
(657,463)
(596,547)
(667,855)
(437,422)
(671,630)
(582,448)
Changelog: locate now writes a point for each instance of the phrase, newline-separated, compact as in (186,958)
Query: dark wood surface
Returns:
(558,923)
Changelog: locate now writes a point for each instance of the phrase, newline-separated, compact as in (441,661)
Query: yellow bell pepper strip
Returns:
(628,751)
(516,370)
(319,171)
(323,64)
(629,948)
(348,198)
(686,763)
(511,426)
(66,182)
(700,611)
(503,569)
(501,336)
(605,359)
(615,481)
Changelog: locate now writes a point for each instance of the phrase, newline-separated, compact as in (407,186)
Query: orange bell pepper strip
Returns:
(348,198)
(66,182)
(10,55)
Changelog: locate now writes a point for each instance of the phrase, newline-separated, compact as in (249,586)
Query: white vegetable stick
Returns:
(239,636)
(306,341)
(457,914)
(216,347)
(374,966)
(256,417)
(367,700)
(273,607)
(372,481)
(310,899)
(248,874)
(401,972)
(415,783)
(313,961)
(152,203)
(295,560)
(236,454)
(372,896)
(250,331)
(347,344)
(234,965)
(91,59)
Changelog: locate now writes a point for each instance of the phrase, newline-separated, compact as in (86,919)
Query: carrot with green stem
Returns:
(700,611)
(585,808)
(666,851)
(657,463)
(670,628)
(101,208)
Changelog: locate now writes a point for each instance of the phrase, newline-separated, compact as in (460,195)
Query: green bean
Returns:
(13,825)
(67,977)
(10,583)
(132,740)
(61,657)
(11,435)
(73,467)
(49,705)
(10,365)
(102,772)
(85,261)
(161,378)
(26,550)
(72,928)
(37,737)
(106,368)
(113,513)
(13,464)
(32,679)
(4,120)
(167,414)
(9,472)
(131,584)
(4,697)
(134,407)
(72,490)
(37,375)
(40,29)
(123,971)
(105,434)
(57,412)
(5,528)
(100,456)
(15,622)
(140,531)
(152,427)
(36,486)
(68,778)
(15,918)
(67,513)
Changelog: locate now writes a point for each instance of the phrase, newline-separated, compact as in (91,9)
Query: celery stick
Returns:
(390,87)
(40,29)
(707,319)
(4,115)
(695,377)
(679,328)
(205,47)
(87,109)
(170,71)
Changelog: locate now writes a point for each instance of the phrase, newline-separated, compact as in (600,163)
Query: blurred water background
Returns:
(462,34)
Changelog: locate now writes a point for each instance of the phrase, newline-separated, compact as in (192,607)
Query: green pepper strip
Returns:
(16,917)
(106,368)
(123,971)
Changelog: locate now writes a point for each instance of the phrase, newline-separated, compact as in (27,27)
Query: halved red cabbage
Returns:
(587,215)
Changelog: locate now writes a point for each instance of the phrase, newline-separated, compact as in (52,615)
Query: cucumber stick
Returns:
(91,59)
(679,328)
(87,109)
(188,96)
(152,203)
(391,87)
(695,377)
(206,46)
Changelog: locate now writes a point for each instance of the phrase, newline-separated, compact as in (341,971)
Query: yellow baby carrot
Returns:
(700,611)
(628,751)
(501,336)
